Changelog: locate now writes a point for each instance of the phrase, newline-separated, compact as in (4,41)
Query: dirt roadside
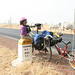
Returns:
(8,50)
(9,43)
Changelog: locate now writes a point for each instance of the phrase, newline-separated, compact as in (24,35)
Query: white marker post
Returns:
(24,52)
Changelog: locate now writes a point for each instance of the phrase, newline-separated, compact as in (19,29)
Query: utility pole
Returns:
(73,31)
(74,17)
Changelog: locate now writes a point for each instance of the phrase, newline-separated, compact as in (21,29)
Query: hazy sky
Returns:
(50,11)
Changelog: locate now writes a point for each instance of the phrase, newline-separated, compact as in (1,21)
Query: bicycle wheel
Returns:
(32,50)
(72,59)
(46,54)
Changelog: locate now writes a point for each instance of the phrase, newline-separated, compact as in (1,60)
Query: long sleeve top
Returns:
(23,31)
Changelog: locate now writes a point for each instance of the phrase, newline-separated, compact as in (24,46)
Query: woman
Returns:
(24,34)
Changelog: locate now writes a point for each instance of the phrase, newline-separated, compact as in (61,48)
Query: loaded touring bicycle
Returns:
(44,41)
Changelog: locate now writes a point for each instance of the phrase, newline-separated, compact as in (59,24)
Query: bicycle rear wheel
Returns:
(46,54)
(72,60)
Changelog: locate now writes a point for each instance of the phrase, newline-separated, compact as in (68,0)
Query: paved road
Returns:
(14,33)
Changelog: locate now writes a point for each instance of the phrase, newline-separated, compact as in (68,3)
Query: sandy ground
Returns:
(35,68)
(44,27)
(8,52)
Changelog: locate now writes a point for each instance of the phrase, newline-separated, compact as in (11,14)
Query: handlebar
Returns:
(63,41)
(58,35)
(66,43)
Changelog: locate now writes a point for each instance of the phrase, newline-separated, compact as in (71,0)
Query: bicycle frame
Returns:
(63,49)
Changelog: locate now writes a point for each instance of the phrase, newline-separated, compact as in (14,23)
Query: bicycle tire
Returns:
(46,54)
(72,61)
(32,49)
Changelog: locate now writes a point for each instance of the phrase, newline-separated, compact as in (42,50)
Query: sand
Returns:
(35,68)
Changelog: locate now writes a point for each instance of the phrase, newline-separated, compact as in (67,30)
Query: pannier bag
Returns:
(38,41)
(38,38)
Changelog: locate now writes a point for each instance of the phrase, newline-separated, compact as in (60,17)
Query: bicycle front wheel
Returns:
(72,60)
